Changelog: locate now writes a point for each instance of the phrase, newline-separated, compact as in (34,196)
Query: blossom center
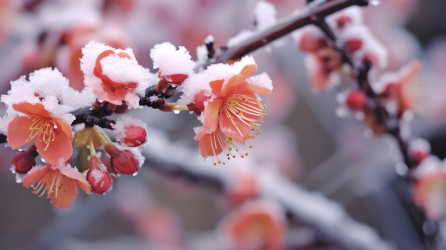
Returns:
(57,183)
(42,128)
(246,109)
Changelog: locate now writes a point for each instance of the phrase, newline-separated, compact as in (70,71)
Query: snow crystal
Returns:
(123,122)
(97,175)
(49,88)
(153,98)
(36,168)
(171,61)
(261,80)
(197,83)
(120,69)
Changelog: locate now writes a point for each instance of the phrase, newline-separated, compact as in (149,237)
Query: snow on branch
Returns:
(311,208)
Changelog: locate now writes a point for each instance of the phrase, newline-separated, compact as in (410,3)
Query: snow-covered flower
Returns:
(60,182)
(256,225)
(51,133)
(113,74)
(131,132)
(232,109)
(175,66)
(402,90)
(322,60)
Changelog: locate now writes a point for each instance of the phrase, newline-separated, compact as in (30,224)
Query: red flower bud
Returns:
(135,136)
(353,44)
(419,149)
(311,44)
(122,161)
(98,177)
(23,161)
(342,21)
(356,100)
(175,78)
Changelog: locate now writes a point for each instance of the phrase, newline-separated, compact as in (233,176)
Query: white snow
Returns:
(123,122)
(54,88)
(261,80)
(171,61)
(265,15)
(116,68)
(200,82)
(97,175)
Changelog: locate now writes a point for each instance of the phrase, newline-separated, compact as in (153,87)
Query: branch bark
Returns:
(312,13)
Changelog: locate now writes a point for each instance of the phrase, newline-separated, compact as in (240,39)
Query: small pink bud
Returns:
(98,177)
(342,21)
(175,78)
(356,100)
(23,161)
(135,136)
(419,149)
(122,161)
(310,43)
(353,44)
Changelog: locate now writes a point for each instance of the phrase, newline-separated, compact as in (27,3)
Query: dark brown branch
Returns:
(283,28)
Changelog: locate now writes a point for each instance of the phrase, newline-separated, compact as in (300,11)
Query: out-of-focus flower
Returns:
(123,161)
(97,176)
(23,161)
(244,186)
(60,182)
(51,134)
(131,132)
(114,74)
(323,61)
(403,87)
(230,118)
(429,190)
(76,37)
(356,100)
(419,149)
(355,37)
(256,225)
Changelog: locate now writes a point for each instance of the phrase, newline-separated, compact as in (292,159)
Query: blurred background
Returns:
(303,137)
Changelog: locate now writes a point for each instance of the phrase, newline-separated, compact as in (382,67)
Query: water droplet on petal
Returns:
(135,174)
(176,111)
